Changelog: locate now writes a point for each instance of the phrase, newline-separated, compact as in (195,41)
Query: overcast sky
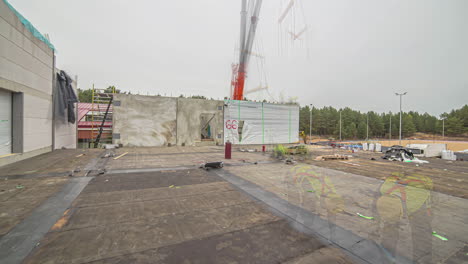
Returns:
(355,53)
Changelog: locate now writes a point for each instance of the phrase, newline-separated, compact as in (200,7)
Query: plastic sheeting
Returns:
(260,123)
(30,26)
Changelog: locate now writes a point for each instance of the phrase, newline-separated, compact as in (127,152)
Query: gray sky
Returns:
(359,52)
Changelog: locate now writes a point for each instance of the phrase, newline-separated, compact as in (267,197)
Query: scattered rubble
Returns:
(399,153)
(332,157)
(213,165)
(298,149)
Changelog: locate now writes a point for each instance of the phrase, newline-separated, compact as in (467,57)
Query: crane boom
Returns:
(286,11)
(245,46)
(259,88)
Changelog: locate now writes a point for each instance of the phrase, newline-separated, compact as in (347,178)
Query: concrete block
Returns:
(192,114)
(145,120)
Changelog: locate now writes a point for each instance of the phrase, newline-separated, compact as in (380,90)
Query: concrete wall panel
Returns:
(189,112)
(14,72)
(37,122)
(35,107)
(12,52)
(144,120)
(10,18)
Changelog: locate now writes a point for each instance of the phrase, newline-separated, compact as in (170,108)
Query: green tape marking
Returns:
(263,127)
(172,186)
(366,217)
(310,191)
(289,125)
(19,186)
(434,233)
(238,118)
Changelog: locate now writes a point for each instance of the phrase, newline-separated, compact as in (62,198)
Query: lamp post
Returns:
(367,132)
(390,128)
(340,125)
(310,124)
(443,129)
(401,96)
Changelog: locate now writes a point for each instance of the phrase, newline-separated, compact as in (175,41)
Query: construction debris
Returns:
(299,149)
(213,165)
(247,150)
(434,233)
(365,217)
(121,155)
(111,146)
(332,157)
(399,153)
(109,154)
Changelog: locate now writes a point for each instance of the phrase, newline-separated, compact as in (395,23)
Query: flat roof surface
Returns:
(155,205)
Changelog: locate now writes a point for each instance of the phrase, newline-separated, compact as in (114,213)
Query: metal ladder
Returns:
(101,102)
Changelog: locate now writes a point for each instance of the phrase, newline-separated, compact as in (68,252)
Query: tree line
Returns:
(356,124)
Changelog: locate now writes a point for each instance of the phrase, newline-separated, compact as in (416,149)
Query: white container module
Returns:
(364,146)
(448,155)
(371,147)
(429,150)
(378,147)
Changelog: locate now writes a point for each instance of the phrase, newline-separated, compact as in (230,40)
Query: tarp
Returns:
(260,123)
(66,97)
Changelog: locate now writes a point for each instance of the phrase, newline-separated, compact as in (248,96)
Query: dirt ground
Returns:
(451,145)
(449,177)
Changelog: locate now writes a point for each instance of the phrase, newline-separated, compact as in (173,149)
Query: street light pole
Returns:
(390,128)
(340,125)
(367,133)
(443,129)
(310,124)
(401,96)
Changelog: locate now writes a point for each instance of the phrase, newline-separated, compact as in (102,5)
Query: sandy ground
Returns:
(449,177)
(451,145)
(454,145)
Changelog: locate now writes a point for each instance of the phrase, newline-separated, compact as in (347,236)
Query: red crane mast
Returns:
(246,43)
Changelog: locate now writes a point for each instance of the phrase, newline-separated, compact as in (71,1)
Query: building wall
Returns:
(144,120)
(26,66)
(189,121)
(159,121)
(260,123)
